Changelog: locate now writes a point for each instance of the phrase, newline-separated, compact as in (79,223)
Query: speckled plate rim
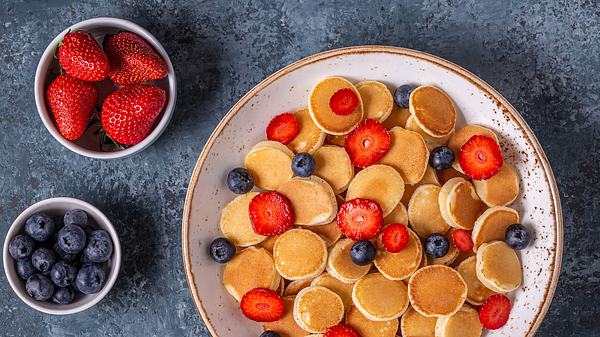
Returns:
(501,102)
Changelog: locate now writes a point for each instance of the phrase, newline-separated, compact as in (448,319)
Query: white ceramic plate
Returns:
(287,90)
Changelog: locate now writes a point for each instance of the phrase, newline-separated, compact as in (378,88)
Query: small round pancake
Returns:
(309,137)
(321,113)
(376,98)
(294,287)
(380,183)
(330,233)
(501,189)
(340,265)
(432,142)
(424,211)
(450,256)
(370,328)
(312,198)
(299,254)
(460,137)
(464,323)
(459,204)
(492,225)
(397,117)
(251,268)
(397,215)
(286,326)
(344,290)
(413,324)
(428,178)
(334,166)
(235,222)
(379,298)
(408,154)
(318,308)
(398,266)
(498,267)
(433,110)
(449,173)
(437,291)
(270,164)
(477,293)
(269,243)
(335,140)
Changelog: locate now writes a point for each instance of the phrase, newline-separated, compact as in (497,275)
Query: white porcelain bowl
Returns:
(88,144)
(58,207)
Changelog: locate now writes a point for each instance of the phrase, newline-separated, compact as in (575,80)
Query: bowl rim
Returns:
(450,66)
(16,227)
(168,110)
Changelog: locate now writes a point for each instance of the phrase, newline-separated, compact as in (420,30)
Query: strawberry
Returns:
(480,157)
(132,59)
(71,102)
(395,237)
(271,213)
(367,143)
(462,240)
(82,57)
(129,113)
(494,312)
(341,330)
(262,305)
(283,128)
(360,219)
(343,102)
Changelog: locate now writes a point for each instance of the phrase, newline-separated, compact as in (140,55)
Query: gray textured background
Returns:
(543,56)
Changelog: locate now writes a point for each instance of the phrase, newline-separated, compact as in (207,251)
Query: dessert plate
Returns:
(288,90)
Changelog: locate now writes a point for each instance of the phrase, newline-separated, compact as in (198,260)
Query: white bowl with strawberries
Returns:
(105,88)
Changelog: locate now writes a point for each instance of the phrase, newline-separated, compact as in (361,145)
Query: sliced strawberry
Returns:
(343,102)
(341,330)
(494,312)
(271,213)
(480,157)
(283,128)
(462,240)
(262,305)
(360,219)
(395,237)
(367,143)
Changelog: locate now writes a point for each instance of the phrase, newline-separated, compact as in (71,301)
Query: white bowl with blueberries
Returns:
(61,256)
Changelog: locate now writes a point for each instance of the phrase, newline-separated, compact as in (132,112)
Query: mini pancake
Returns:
(477,293)
(430,177)
(432,142)
(379,298)
(408,154)
(424,211)
(437,291)
(413,324)
(398,266)
(335,140)
(397,215)
(380,183)
(344,290)
(340,265)
(501,189)
(309,137)
(312,198)
(330,232)
(464,323)
(235,222)
(377,100)
(294,287)
(286,326)
(270,164)
(397,117)
(317,308)
(492,225)
(295,266)
(370,328)
(449,173)
(321,113)
(450,256)
(433,110)
(460,206)
(251,268)
(498,267)
(268,243)
(460,137)
(334,166)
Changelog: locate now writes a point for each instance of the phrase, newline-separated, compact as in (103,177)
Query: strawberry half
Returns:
(367,143)
(480,157)
(82,57)
(341,330)
(262,305)
(343,102)
(494,312)
(395,237)
(271,213)
(462,240)
(283,128)
(360,219)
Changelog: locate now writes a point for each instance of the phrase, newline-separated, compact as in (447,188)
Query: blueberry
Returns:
(71,239)
(269,333)
(402,95)
(76,217)
(303,165)
(222,250)
(43,259)
(39,287)
(64,295)
(39,227)
(436,245)
(62,255)
(90,278)
(240,181)
(517,236)
(21,247)
(25,269)
(363,252)
(63,274)
(441,158)
(99,247)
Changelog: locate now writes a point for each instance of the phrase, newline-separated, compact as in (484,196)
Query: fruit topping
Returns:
(222,250)
(240,180)
(262,305)
(360,219)
(436,246)
(395,237)
(494,312)
(402,95)
(283,128)
(341,330)
(462,240)
(441,158)
(271,213)
(367,143)
(303,165)
(363,252)
(517,236)
(343,101)
(480,157)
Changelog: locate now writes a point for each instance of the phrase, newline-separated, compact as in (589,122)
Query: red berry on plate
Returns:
(283,128)
(367,143)
(262,305)
(360,219)
(341,330)
(395,237)
(343,102)
(271,213)
(480,157)
(462,240)
(494,312)
(82,57)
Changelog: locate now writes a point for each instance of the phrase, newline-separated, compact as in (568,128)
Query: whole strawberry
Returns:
(71,102)
(82,57)
(132,59)
(129,114)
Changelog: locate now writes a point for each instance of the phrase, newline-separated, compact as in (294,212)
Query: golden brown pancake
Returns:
(251,268)
(464,323)
(437,291)
(498,267)
(501,189)
(294,287)
(340,265)
(413,324)
(344,290)
(309,137)
(492,225)
(286,326)
(235,223)
(432,142)
(428,178)
(321,113)
(379,298)
(312,198)
(398,215)
(461,136)
(408,154)
(334,166)
(398,266)
(270,164)
(433,110)
(317,308)
(450,256)
(397,117)
(380,183)
(477,293)
(377,100)
(424,211)
(370,328)
(460,206)
(330,233)
(294,266)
